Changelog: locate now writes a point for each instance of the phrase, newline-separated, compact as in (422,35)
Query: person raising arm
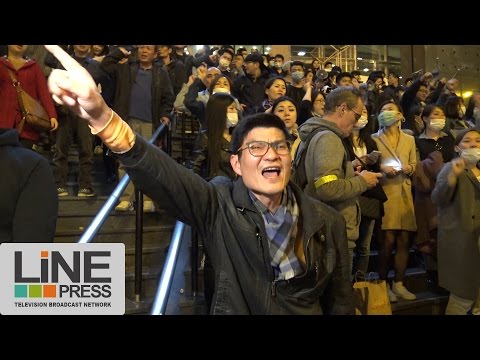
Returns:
(274,249)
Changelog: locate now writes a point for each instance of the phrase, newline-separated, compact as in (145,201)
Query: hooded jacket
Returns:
(329,170)
(29,201)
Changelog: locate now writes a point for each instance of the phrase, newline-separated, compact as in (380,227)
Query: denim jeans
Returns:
(362,245)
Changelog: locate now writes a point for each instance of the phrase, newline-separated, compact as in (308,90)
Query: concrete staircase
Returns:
(76,214)
(427,302)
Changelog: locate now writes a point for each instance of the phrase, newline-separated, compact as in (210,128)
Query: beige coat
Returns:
(399,212)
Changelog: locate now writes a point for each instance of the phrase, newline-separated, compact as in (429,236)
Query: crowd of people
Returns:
(395,163)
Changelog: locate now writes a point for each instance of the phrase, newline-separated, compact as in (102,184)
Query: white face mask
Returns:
(224,63)
(232,119)
(462,110)
(471,155)
(361,123)
(221,90)
(437,124)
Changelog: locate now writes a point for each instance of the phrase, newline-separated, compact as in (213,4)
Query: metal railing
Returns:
(165,283)
(102,215)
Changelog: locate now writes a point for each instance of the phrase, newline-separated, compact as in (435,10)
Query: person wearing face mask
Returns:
(434,148)
(330,176)
(457,195)
(276,251)
(398,163)
(212,157)
(295,90)
(277,69)
(224,61)
(456,120)
(363,150)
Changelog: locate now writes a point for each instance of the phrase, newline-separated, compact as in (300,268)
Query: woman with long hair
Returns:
(213,149)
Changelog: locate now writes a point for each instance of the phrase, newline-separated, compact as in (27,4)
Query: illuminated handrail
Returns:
(165,283)
(102,215)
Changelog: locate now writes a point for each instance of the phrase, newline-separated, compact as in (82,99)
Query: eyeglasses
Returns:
(357,115)
(260,148)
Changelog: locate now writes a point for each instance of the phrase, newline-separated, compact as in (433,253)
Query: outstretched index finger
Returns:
(68,62)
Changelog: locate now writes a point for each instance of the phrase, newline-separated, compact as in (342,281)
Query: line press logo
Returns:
(62,278)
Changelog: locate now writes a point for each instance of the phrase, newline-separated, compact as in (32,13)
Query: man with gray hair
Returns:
(330,174)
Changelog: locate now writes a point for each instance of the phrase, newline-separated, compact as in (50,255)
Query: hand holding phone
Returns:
(373,157)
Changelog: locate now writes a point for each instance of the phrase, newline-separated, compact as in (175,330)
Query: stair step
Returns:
(116,220)
(138,308)
(150,277)
(427,303)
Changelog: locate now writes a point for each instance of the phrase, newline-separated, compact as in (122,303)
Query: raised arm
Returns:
(183,194)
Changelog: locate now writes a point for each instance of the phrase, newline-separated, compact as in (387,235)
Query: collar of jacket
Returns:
(312,222)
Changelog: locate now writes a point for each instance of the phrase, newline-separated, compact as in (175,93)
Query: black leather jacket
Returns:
(236,240)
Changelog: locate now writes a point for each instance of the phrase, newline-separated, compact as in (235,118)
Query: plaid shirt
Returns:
(281,230)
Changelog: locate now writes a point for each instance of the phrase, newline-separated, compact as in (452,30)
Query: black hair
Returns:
(216,117)
(283,98)
(452,105)
(427,111)
(225,50)
(299,63)
(389,101)
(249,123)
(393,74)
(341,76)
(215,80)
(461,134)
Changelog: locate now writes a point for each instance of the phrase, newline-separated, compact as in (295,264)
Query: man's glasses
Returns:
(357,115)
(260,148)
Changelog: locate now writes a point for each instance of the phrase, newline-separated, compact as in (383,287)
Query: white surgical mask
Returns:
(221,90)
(471,155)
(437,124)
(224,63)
(232,119)
(361,123)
